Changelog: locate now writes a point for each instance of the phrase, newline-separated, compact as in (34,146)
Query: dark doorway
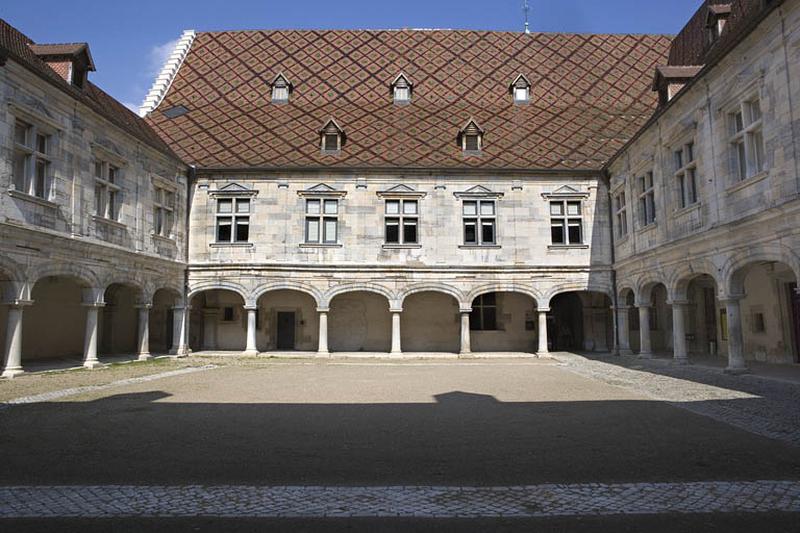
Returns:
(794,310)
(285,330)
(710,317)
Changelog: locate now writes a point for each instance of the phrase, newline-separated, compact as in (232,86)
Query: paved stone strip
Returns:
(760,406)
(550,500)
(55,395)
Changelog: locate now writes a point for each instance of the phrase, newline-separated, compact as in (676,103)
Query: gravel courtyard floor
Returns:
(573,443)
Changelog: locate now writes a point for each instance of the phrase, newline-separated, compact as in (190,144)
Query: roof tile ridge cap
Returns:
(168,73)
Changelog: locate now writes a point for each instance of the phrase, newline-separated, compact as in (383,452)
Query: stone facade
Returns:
(725,266)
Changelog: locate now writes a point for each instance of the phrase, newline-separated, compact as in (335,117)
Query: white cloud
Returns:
(132,107)
(159,55)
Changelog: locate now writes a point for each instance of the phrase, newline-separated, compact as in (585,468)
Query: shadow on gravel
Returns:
(461,439)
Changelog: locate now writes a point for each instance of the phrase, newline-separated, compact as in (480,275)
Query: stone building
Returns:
(706,197)
(92,214)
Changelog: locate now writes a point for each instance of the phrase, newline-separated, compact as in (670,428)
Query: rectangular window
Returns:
(480,222)
(746,139)
(647,200)
(163,211)
(621,214)
(107,191)
(31,160)
(484,313)
(520,94)
(402,94)
(401,221)
(566,222)
(685,175)
(233,220)
(472,143)
(330,142)
(322,221)
(280,94)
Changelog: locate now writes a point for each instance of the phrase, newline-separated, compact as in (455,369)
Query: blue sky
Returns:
(131,39)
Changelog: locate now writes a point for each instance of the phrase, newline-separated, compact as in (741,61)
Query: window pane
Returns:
(487,232)
(21,132)
(225,206)
(758,151)
(393,207)
(330,230)
(112,174)
(312,230)
(574,208)
(678,159)
(157,221)
(682,187)
(557,233)
(98,169)
(401,93)
(556,208)
(169,199)
(41,144)
(471,208)
(475,319)
(738,122)
(741,160)
(99,201)
(312,207)
(331,142)
(224,229)
(410,231)
(575,232)
(280,93)
(112,205)
(489,318)
(20,163)
(242,206)
(520,94)
(167,228)
(392,230)
(410,207)
(487,208)
(755,110)
(157,196)
(690,152)
(471,143)
(331,207)
(41,178)
(242,229)
(470,232)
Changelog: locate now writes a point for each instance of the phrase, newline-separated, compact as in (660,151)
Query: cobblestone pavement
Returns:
(596,499)
(772,409)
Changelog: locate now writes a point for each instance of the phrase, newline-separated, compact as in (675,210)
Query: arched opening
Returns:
(287,320)
(770,312)
(702,317)
(54,326)
(430,322)
(359,322)
(580,321)
(162,317)
(503,322)
(660,320)
(218,321)
(5,296)
(119,320)
(628,322)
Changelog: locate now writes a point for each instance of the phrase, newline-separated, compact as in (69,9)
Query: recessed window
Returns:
(685,174)
(281,87)
(747,139)
(233,220)
(332,138)
(401,89)
(227,314)
(322,220)
(480,222)
(521,89)
(484,313)
(163,211)
(647,200)
(331,143)
(566,222)
(31,164)
(471,138)
(621,214)
(401,221)
(107,190)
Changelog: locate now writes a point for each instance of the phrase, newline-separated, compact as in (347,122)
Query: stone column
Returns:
(90,338)
(680,356)
(179,319)
(322,347)
(736,364)
(12,353)
(144,332)
(397,348)
(251,348)
(645,347)
(466,341)
(544,350)
(624,330)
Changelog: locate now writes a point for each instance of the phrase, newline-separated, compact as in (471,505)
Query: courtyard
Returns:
(236,443)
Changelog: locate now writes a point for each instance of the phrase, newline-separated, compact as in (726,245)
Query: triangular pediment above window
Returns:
(401,80)
(234,189)
(281,81)
(401,190)
(520,82)
(478,191)
(331,127)
(321,189)
(566,191)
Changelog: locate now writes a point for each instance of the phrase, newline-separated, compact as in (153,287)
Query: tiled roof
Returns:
(589,95)
(21,49)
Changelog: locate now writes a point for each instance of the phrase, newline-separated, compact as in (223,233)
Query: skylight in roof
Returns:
(175,111)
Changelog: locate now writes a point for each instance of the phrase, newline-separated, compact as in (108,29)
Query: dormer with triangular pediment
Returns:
(520,89)
(281,89)
(470,138)
(401,88)
(332,137)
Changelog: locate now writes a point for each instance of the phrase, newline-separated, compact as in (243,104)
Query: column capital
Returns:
(395,309)
(96,305)
(678,302)
(143,306)
(465,310)
(251,308)
(323,309)
(730,298)
(18,303)
(643,305)
(543,310)
(621,307)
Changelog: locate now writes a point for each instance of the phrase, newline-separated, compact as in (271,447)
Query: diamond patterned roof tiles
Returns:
(589,95)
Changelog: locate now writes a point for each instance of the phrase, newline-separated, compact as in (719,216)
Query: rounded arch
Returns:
(503,287)
(360,287)
(217,285)
(575,287)
(646,283)
(734,271)
(11,269)
(174,290)
(141,287)
(623,290)
(310,290)
(84,276)
(678,283)
(432,287)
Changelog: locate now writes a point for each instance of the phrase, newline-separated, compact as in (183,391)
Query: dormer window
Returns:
(332,138)
(401,88)
(716,19)
(471,138)
(521,89)
(281,87)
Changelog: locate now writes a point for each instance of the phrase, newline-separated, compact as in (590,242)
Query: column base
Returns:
(11,373)
(645,355)
(544,355)
(250,353)
(397,353)
(323,353)
(625,351)
(736,370)
(93,364)
(466,355)
(680,361)
(144,357)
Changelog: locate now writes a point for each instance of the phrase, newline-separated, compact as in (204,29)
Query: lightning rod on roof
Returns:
(526,8)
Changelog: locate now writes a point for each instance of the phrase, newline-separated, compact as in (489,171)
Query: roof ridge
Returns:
(164,80)
(432,30)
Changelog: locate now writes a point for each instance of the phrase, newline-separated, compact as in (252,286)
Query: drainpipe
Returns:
(605,176)
(191,178)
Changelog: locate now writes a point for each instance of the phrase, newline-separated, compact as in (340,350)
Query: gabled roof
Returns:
(71,50)
(592,93)
(20,48)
